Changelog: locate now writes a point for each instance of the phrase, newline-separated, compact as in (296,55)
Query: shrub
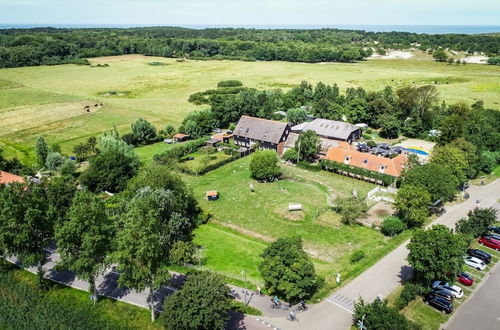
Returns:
(230,83)
(378,315)
(410,291)
(54,161)
(337,167)
(178,151)
(391,226)
(371,143)
(350,209)
(264,165)
(357,256)
(290,155)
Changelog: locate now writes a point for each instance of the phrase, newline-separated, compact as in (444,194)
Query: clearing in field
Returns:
(130,87)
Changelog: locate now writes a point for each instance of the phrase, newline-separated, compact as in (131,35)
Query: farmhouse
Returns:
(8,178)
(330,129)
(346,154)
(268,134)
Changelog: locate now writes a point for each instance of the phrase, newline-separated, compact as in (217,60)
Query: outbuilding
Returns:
(212,195)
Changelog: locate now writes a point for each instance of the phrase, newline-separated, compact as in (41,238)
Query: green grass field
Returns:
(244,222)
(47,100)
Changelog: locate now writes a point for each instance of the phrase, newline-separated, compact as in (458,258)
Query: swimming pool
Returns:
(416,150)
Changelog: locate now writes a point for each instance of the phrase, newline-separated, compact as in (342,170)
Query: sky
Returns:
(251,12)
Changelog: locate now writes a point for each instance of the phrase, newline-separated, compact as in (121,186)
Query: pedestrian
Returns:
(259,291)
(338,278)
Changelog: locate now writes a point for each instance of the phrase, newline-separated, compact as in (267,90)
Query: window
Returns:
(347,159)
(381,168)
(365,161)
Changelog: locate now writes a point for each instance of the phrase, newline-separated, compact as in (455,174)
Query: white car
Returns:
(475,263)
(456,291)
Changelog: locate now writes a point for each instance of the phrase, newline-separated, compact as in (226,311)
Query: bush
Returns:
(230,83)
(357,256)
(337,167)
(410,291)
(54,161)
(290,155)
(264,165)
(477,222)
(379,316)
(391,226)
(178,151)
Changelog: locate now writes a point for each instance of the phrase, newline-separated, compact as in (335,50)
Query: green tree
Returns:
(308,145)
(198,123)
(440,55)
(149,228)
(296,115)
(288,271)
(42,150)
(436,253)
(60,193)
(68,168)
(379,316)
(453,159)
(291,155)
(437,180)
(54,161)
(143,131)
(264,165)
(169,130)
(412,204)
(392,226)
(351,209)
(390,125)
(477,222)
(26,228)
(202,303)
(84,241)
(108,171)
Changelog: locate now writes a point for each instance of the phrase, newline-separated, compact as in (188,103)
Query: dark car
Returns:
(465,279)
(362,147)
(443,293)
(488,241)
(385,146)
(439,303)
(495,236)
(496,230)
(484,256)
(397,149)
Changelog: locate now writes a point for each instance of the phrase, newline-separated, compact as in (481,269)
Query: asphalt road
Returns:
(482,310)
(383,277)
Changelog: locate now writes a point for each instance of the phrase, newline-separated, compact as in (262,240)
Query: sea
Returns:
(427,29)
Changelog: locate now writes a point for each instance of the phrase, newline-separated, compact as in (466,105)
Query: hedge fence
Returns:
(179,151)
(210,167)
(356,172)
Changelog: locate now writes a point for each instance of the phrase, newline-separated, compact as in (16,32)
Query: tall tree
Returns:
(412,204)
(202,303)
(288,271)
(42,150)
(452,158)
(308,145)
(150,227)
(477,222)
(437,180)
(84,241)
(143,131)
(264,165)
(437,253)
(26,228)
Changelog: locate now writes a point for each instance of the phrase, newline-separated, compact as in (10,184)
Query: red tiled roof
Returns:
(344,151)
(180,135)
(7,178)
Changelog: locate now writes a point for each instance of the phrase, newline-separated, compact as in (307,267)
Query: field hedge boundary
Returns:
(179,151)
(210,167)
(360,173)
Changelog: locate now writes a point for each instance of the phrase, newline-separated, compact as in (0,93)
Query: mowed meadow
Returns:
(51,100)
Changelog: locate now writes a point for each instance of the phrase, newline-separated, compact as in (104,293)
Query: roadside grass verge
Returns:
(61,306)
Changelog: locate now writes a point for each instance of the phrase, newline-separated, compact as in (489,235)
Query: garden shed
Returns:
(212,195)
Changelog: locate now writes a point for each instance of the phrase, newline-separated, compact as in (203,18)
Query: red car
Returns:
(489,242)
(465,279)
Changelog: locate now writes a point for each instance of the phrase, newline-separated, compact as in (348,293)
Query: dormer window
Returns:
(381,168)
(365,161)
(248,129)
(347,159)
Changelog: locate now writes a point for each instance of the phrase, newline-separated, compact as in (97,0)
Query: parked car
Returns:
(495,236)
(453,289)
(397,149)
(438,302)
(475,263)
(486,240)
(480,254)
(465,279)
(496,230)
(385,146)
(445,294)
(363,147)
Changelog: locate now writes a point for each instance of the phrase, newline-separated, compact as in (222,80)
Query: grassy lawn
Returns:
(202,160)
(146,153)
(46,100)
(114,314)
(244,222)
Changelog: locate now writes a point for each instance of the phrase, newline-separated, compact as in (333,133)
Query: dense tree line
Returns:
(47,46)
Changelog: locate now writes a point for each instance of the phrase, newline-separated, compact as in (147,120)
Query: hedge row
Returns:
(210,167)
(178,151)
(335,166)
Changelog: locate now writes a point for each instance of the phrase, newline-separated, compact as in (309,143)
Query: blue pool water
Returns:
(417,151)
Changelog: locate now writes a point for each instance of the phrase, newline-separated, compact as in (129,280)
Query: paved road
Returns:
(383,277)
(481,310)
